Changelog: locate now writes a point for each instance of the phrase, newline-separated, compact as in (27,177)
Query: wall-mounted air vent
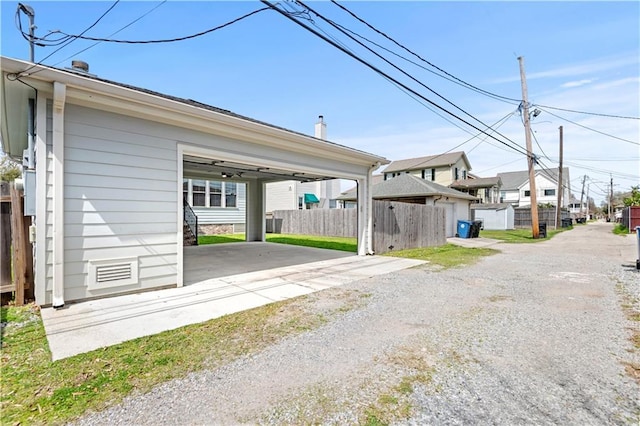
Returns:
(112,273)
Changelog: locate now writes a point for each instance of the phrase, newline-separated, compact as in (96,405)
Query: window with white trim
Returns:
(199,191)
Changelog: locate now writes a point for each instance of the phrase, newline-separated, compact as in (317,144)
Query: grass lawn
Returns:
(620,229)
(447,256)
(36,390)
(332,243)
(519,235)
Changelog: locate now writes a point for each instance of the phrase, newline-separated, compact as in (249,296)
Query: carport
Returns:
(108,178)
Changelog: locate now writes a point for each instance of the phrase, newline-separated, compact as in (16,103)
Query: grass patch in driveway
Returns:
(330,243)
(36,390)
(620,229)
(520,235)
(447,256)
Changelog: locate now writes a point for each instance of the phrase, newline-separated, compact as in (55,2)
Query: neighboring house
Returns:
(576,209)
(515,187)
(443,169)
(487,190)
(346,204)
(219,205)
(110,163)
(412,189)
(496,216)
(298,195)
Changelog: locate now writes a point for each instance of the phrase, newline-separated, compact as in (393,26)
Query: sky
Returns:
(582,56)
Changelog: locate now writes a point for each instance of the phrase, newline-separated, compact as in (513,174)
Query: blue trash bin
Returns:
(464,228)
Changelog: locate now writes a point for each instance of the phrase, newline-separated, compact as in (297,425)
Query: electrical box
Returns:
(29,177)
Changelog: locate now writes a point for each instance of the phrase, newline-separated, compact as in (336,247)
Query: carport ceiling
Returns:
(218,169)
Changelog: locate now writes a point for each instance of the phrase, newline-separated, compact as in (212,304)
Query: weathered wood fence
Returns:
(522,216)
(396,225)
(16,256)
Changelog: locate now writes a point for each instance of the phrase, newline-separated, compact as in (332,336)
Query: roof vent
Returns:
(81,66)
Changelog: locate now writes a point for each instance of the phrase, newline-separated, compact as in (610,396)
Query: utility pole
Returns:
(611,197)
(28,10)
(535,227)
(587,215)
(560,186)
(582,193)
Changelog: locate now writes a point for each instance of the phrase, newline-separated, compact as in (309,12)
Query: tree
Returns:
(634,198)
(9,169)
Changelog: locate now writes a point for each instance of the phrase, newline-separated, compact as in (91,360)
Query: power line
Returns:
(589,128)
(589,113)
(420,57)
(114,33)
(72,40)
(382,73)
(170,40)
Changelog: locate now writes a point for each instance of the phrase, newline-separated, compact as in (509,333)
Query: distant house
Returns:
(515,187)
(300,195)
(413,189)
(219,205)
(443,169)
(487,190)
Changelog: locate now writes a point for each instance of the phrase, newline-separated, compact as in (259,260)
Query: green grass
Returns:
(620,229)
(447,256)
(520,235)
(332,243)
(36,390)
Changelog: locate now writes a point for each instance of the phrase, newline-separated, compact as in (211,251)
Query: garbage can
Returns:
(475,228)
(567,222)
(542,227)
(464,229)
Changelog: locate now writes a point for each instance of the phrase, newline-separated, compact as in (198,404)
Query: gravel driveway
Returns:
(534,335)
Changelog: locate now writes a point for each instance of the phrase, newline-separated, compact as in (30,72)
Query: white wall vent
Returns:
(112,273)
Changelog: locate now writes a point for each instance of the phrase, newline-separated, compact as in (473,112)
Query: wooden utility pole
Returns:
(560,186)
(535,227)
(587,215)
(582,193)
(611,198)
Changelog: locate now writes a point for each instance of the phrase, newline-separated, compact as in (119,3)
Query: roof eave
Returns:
(90,92)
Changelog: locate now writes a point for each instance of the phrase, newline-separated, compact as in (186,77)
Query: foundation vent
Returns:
(112,273)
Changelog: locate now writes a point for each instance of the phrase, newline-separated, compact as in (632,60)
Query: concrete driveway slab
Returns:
(90,325)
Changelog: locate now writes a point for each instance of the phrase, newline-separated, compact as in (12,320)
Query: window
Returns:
(503,194)
(199,193)
(230,194)
(527,193)
(455,174)
(549,192)
(185,189)
(333,204)
(464,174)
(300,203)
(429,174)
(215,194)
(433,175)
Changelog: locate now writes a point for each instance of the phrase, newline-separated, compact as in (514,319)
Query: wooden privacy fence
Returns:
(325,222)
(399,226)
(522,216)
(396,225)
(16,256)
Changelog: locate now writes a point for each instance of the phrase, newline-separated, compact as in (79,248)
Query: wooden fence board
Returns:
(397,225)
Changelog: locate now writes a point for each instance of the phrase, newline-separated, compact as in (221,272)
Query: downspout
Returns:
(369,238)
(59,97)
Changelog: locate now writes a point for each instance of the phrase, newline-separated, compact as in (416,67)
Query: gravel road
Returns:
(536,334)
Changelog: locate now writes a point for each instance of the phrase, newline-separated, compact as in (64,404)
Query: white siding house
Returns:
(515,187)
(110,164)
(217,202)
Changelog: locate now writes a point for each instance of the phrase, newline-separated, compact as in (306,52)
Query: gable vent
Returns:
(112,273)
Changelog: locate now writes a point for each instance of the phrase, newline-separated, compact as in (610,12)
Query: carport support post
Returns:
(365,217)
(255,227)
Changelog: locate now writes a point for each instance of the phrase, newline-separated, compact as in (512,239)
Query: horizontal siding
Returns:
(281,196)
(224,216)
(120,200)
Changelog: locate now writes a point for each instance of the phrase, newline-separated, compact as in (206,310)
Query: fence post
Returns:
(19,245)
